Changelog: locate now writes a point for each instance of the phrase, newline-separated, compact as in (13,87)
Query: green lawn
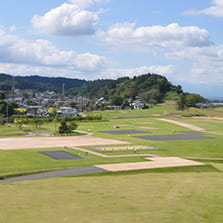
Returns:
(184,148)
(26,161)
(30,161)
(167,195)
(158,110)
(148,197)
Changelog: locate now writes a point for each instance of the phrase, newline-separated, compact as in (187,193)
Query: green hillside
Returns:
(151,88)
(38,83)
(148,87)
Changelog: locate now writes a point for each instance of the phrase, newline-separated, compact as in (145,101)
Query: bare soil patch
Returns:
(189,126)
(157,162)
(208,117)
(145,127)
(49,142)
(144,123)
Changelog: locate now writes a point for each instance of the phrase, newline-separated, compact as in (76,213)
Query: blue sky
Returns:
(91,39)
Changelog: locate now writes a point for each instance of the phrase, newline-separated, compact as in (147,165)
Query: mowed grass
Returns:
(148,197)
(28,161)
(152,126)
(207,124)
(20,162)
(168,108)
(167,195)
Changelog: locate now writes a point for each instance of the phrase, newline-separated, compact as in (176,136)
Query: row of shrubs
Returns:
(51,119)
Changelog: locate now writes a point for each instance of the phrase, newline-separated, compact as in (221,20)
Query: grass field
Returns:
(184,148)
(148,197)
(15,162)
(167,195)
(159,110)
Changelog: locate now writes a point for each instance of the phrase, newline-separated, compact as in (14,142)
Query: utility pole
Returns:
(63,90)
(7,113)
(13,88)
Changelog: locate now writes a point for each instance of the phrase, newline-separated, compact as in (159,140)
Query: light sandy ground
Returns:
(157,162)
(47,142)
(193,127)
(144,123)
(208,117)
(145,127)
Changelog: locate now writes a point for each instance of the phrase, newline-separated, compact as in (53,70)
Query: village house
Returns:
(67,112)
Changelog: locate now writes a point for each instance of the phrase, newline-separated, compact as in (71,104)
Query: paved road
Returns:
(59,173)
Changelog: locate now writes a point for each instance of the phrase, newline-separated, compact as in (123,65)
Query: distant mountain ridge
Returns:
(151,88)
(38,83)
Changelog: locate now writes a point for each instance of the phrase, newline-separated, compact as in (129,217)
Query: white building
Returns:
(67,112)
(137,104)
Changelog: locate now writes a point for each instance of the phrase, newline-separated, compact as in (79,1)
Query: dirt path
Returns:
(50,142)
(189,126)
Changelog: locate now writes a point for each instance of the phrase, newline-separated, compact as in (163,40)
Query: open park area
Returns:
(116,172)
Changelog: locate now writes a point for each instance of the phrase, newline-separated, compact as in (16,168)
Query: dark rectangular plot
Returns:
(120,132)
(173,137)
(61,155)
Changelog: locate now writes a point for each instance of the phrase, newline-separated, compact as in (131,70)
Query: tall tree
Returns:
(182,102)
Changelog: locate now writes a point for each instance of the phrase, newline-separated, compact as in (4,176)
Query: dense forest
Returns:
(38,83)
(150,88)
(147,87)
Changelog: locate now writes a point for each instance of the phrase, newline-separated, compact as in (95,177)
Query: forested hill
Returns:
(147,87)
(38,83)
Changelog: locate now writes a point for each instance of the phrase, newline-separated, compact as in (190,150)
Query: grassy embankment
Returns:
(148,197)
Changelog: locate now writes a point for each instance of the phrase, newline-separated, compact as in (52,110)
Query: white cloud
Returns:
(66,20)
(170,36)
(215,10)
(13,28)
(69,19)
(6,38)
(200,65)
(83,4)
(30,54)
(130,72)
(24,70)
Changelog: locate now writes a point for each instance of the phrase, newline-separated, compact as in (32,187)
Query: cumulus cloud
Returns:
(201,65)
(24,69)
(66,20)
(130,72)
(6,38)
(42,53)
(170,36)
(83,4)
(215,10)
